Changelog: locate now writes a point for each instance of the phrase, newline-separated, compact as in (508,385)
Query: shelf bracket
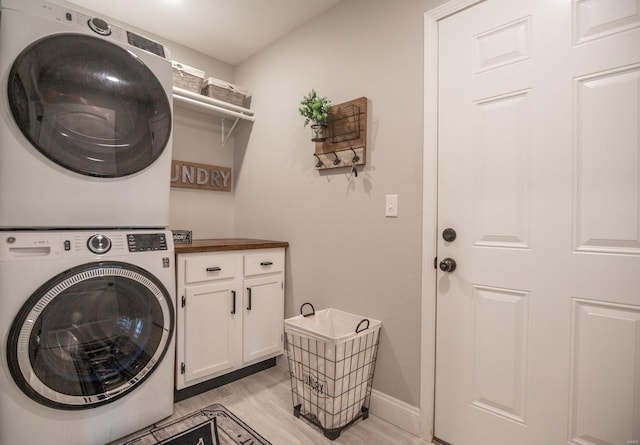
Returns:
(223,138)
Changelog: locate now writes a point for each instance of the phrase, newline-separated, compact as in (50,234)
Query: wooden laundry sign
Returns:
(200,176)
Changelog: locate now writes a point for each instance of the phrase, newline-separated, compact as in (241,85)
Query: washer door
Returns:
(89,105)
(90,335)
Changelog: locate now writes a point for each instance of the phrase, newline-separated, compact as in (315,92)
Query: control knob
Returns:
(99,26)
(99,244)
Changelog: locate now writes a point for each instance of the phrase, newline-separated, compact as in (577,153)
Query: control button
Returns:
(99,26)
(99,244)
(131,242)
(68,16)
(67,245)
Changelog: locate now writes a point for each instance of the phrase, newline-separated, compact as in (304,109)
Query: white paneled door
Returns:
(538,326)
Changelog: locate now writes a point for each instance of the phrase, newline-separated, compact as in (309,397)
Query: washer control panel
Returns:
(90,245)
(146,242)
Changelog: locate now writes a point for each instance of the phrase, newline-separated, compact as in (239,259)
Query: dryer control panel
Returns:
(85,20)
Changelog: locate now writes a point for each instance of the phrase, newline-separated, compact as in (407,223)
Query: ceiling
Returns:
(227,30)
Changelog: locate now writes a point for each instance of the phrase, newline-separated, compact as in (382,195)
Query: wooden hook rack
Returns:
(346,143)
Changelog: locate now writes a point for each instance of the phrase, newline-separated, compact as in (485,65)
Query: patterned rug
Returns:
(213,425)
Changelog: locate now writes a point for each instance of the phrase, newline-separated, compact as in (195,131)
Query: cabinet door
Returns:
(263,323)
(211,338)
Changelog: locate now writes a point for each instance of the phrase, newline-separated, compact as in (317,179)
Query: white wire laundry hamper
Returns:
(332,356)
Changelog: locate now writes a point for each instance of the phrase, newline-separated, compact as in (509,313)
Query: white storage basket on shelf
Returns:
(332,356)
(187,77)
(225,91)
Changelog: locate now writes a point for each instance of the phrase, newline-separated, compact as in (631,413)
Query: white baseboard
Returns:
(395,411)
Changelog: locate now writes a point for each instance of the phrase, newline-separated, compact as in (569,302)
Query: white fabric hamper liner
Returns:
(331,366)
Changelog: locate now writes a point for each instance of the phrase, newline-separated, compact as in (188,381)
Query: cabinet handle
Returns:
(267,263)
(233,293)
(249,297)
(214,269)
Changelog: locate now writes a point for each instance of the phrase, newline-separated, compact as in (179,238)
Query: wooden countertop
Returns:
(223,244)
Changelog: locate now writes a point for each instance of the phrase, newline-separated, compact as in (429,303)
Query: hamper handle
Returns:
(313,310)
(359,324)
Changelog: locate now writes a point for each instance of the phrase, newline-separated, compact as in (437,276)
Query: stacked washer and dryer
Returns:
(87,284)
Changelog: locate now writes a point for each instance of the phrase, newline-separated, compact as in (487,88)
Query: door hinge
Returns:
(435,263)
(182,368)
(184,301)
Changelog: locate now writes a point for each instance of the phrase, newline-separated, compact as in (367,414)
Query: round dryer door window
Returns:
(89,105)
(90,335)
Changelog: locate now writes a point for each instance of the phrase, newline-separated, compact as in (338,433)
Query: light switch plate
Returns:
(391,209)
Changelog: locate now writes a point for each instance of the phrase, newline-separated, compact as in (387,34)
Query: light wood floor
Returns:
(263,401)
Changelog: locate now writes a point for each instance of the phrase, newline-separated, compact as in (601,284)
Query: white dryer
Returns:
(87,331)
(85,121)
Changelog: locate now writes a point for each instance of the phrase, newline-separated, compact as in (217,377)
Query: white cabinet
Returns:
(230,312)
(261,336)
(212,336)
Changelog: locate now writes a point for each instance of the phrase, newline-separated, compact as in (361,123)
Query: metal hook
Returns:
(319,163)
(336,161)
(356,158)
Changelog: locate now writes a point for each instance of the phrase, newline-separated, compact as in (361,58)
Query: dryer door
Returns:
(89,105)
(90,335)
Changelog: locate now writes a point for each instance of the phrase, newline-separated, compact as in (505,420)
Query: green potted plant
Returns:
(315,109)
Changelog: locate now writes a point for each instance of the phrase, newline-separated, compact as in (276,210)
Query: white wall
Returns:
(343,252)
(197,138)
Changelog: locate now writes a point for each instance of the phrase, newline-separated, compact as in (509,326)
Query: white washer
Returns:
(87,331)
(85,121)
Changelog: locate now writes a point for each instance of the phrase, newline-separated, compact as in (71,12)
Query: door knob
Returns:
(449,235)
(448,265)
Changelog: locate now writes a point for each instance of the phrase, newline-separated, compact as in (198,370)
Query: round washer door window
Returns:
(90,335)
(89,105)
